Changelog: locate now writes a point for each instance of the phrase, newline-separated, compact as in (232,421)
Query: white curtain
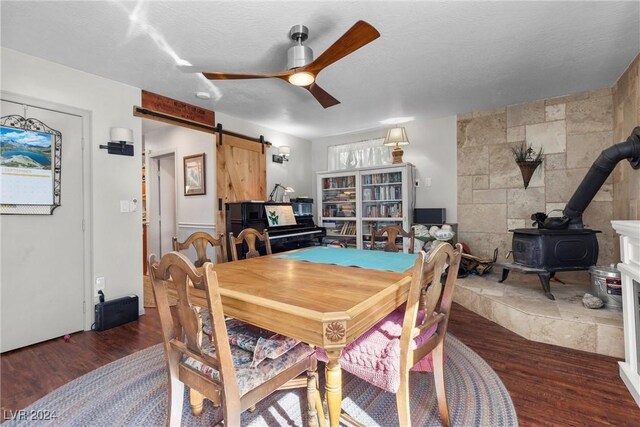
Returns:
(358,154)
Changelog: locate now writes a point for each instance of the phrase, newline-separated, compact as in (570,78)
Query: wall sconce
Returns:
(283,154)
(396,136)
(121,142)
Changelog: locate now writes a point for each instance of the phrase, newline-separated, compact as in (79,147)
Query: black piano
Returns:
(241,215)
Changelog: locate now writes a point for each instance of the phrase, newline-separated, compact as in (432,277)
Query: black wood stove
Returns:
(562,243)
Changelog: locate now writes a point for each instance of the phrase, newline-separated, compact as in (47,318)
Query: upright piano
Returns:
(304,233)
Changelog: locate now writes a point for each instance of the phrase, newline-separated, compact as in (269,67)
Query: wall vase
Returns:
(527,168)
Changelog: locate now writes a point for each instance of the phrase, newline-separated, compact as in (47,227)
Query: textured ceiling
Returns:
(433,59)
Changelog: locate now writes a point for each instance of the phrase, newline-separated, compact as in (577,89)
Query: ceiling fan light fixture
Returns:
(302,78)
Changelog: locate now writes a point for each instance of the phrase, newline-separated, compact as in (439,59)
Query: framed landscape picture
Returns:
(194,175)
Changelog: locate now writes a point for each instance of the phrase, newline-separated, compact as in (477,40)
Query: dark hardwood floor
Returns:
(549,385)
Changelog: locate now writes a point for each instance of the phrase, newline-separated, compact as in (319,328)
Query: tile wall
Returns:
(573,130)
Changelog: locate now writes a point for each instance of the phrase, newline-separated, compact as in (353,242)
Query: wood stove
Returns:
(562,243)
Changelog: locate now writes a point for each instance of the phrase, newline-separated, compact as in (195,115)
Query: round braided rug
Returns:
(132,391)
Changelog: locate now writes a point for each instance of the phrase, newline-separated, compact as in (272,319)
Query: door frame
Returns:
(87,182)
(151,156)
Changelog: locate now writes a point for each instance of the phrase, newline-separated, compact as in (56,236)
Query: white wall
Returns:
(294,173)
(432,150)
(116,238)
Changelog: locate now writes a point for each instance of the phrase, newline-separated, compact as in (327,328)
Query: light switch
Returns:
(124,206)
(427,182)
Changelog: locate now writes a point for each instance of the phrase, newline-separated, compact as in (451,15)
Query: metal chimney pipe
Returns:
(598,174)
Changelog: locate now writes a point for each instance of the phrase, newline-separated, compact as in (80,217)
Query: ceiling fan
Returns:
(303,70)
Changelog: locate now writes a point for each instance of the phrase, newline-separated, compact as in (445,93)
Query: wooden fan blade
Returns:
(321,95)
(234,76)
(357,36)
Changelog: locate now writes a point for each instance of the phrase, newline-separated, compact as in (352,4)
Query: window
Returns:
(359,154)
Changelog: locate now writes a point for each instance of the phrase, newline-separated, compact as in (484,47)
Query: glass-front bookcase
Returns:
(338,208)
(353,202)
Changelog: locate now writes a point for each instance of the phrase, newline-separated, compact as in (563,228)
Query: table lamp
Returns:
(396,137)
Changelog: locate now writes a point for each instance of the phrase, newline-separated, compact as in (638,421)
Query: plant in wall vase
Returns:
(527,160)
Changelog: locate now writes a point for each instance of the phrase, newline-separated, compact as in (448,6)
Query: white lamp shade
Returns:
(396,136)
(121,135)
(284,150)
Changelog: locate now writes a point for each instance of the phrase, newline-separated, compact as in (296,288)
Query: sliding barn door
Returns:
(241,173)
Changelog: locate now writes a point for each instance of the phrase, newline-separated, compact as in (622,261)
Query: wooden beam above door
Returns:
(178,109)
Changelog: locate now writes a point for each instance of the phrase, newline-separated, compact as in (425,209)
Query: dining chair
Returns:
(200,240)
(204,359)
(411,337)
(250,236)
(392,232)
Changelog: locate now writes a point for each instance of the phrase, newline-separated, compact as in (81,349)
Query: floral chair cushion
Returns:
(249,376)
(263,344)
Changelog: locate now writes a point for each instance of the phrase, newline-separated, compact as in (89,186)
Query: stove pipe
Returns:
(598,174)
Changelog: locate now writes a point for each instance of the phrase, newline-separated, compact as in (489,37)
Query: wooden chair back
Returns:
(184,338)
(250,236)
(434,299)
(392,232)
(200,240)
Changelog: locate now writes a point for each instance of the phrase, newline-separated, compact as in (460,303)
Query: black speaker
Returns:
(110,314)
(430,216)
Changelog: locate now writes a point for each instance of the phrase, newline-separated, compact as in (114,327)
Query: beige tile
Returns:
(490,196)
(580,336)
(555,161)
(610,341)
(554,112)
(561,184)
(583,150)
(478,241)
(488,218)
(492,112)
(481,182)
(598,215)
(522,203)
(551,136)
(515,223)
(501,241)
(605,194)
(465,191)
(600,92)
(522,114)
(483,130)
(465,116)
(515,134)
(590,115)
(467,298)
(511,318)
(473,160)
(555,207)
(566,98)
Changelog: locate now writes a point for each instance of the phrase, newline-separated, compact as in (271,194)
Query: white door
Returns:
(43,255)
(162,212)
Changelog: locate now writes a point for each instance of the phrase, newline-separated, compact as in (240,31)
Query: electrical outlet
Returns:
(427,182)
(101,283)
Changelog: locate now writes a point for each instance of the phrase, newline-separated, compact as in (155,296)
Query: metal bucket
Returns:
(607,285)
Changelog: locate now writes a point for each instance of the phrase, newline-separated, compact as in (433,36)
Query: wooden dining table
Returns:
(327,306)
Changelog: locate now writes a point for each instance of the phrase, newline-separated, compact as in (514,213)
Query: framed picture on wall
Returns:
(194,175)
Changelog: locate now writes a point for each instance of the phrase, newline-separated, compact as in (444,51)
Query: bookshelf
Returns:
(353,201)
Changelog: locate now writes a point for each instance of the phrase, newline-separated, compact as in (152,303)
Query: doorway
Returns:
(162,209)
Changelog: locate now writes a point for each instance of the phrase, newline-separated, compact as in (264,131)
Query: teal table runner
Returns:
(376,260)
